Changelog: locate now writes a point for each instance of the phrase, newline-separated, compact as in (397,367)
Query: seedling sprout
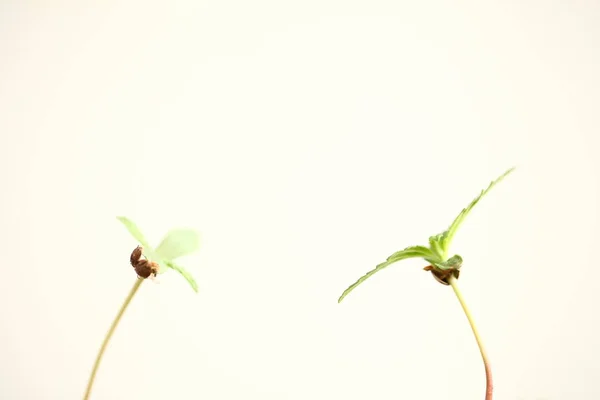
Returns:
(147,263)
(444,269)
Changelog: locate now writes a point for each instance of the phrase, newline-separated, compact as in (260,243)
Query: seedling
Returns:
(445,270)
(148,263)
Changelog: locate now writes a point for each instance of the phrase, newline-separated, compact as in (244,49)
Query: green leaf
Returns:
(448,235)
(137,234)
(409,252)
(436,246)
(454,262)
(188,277)
(178,243)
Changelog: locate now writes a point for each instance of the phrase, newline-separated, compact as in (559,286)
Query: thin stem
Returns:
(109,334)
(489,388)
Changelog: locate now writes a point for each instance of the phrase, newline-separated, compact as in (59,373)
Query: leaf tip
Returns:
(124,220)
(510,170)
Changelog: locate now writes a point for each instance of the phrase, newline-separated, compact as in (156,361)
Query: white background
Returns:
(306,141)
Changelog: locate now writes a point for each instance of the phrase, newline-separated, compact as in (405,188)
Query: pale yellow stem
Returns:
(109,334)
(488,371)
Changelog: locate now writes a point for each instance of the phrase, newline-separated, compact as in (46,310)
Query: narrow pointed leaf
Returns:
(178,243)
(448,235)
(188,277)
(435,244)
(409,252)
(137,234)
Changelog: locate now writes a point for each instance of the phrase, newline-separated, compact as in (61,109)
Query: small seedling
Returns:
(444,269)
(147,263)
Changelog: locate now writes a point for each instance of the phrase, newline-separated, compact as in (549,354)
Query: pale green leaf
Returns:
(448,235)
(454,262)
(421,250)
(178,243)
(435,245)
(137,235)
(188,277)
(409,252)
